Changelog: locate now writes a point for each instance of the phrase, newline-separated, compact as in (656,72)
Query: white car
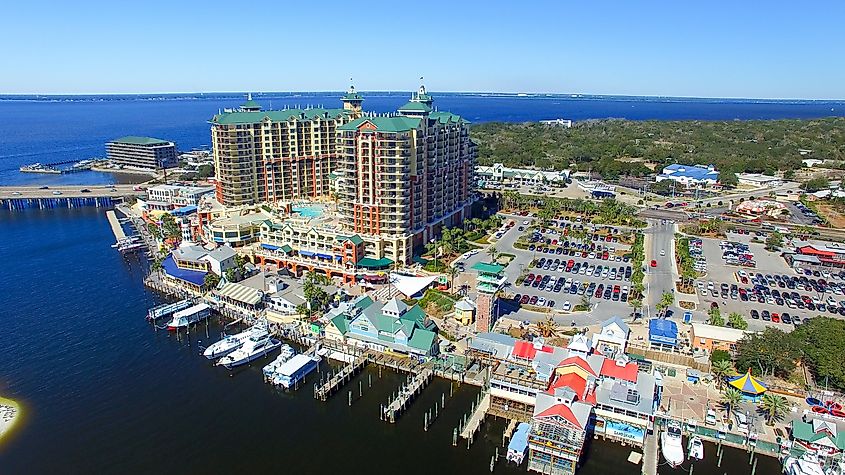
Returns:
(662,252)
(700,284)
(541,302)
(525,223)
(567,306)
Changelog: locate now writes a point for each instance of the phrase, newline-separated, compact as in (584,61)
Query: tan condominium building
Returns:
(403,176)
(141,152)
(269,156)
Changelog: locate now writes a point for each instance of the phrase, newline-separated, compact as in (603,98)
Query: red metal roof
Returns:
(525,349)
(628,372)
(579,362)
(563,411)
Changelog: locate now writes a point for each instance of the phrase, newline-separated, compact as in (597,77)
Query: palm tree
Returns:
(722,369)
(730,399)
(452,271)
(774,407)
(493,253)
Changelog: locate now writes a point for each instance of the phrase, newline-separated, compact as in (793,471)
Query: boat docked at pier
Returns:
(292,372)
(672,444)
(696,448)
(189,316)
(168,309)
(806,464)
(230,343)
(287,353)
(256,346)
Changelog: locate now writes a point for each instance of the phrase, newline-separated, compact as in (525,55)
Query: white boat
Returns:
(189,316)
(256,346)
(696,448)
(292,372)
(672,444)
(807,464)
(230,343)
(287,353)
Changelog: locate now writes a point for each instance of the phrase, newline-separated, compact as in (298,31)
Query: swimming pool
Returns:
(309,211)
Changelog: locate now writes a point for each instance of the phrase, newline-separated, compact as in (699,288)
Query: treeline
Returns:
(615,147)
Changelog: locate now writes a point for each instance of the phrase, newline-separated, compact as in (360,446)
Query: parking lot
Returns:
(766,294)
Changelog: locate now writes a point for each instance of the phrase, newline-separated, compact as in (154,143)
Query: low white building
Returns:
(175,196)
(759,180)
(498,173)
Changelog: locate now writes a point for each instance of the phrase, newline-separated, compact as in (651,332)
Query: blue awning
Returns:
(306,253)
(323,256)
(191,276)
(269,246)
(338,258)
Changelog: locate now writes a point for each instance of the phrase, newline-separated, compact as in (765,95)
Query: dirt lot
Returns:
(834,217)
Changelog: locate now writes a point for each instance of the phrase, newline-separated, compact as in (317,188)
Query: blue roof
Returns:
(191,276)
(183,211)
(663,331)
(519,441)
(692,171)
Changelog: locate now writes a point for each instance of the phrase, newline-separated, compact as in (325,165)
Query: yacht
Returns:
(287,353)
(253,348)
(807,464)
(230,343)
(696,448)
(189,316)
(672,444)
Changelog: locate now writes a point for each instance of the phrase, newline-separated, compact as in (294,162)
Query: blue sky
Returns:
(768,49)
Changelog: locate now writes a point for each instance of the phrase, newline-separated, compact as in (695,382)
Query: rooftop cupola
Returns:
(250,105)
(419,105)
(352,102)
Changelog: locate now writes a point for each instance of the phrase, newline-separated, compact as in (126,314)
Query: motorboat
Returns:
(254,347)
(672,444)
(230,343)
(189,316)
(696,448)
(287,353)
(806,464)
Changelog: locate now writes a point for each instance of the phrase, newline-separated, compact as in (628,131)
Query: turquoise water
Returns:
(309,211)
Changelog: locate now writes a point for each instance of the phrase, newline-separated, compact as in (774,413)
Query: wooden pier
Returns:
(650,455)
(406,393)
(475,420)
(116,228)
(324,390)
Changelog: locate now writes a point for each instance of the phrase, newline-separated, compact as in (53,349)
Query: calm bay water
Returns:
(77,128)
(104,393)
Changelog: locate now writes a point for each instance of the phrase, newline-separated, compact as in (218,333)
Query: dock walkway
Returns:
(415,386)
(116,228)
(324,390)
(650,456)
(476,419)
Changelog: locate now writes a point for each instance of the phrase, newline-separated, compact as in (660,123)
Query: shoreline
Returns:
(10,414)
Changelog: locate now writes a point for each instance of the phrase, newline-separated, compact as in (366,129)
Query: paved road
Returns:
(12,192)
(659,236)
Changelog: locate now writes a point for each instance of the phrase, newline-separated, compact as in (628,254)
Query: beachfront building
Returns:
(662,333)
(465,311)
(168,197)
(827,255)
(690,176)
(392,326)
(488,283)
(499,174)
(267,156)
(710,338)
(142,153)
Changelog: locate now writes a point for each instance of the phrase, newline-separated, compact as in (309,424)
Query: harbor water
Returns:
(105,393)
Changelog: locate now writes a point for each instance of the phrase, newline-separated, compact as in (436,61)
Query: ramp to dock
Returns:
(476,419)
(116,228)
(406,393)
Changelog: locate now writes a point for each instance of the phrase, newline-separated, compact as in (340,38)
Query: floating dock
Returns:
(324,390)
(399,403)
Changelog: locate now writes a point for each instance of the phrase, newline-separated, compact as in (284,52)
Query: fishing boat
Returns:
(189,316)
(256,346)
(287,353)
(806,464)
(230,343)
(696,448)
(672,444)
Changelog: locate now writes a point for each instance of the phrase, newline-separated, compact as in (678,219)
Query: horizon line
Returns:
(648,96)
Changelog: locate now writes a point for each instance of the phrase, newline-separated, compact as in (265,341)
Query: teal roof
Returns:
(447,118)
(413,106)
(422,339)
(370,263)
(804,431)
(254,117)
(356,239)
(286,249)
(135,140)
(363,301)
(341,323)
(250,104)
(486,267)
(385,124)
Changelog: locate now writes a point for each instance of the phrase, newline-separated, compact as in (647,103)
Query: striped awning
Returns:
(240,293)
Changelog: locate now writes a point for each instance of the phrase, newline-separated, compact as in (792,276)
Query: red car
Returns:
(653,263)
(775,317)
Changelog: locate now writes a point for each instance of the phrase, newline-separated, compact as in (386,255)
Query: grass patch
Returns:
(442,301)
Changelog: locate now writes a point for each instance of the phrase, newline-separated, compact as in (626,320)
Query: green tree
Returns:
(731,398)
(452,272)
(816,184)
(822,343)
(735,320)
(728,179)
(770,352)
(666,300)
(231,275)
(774,241)
(211,280)
(493,253)
(774,407)
(721,369)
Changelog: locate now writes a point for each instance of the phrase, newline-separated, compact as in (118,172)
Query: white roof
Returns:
(464,305)
(395,305)
(410,285)
(241,293)
(702,330)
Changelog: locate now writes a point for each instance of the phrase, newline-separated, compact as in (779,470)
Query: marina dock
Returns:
(415,386)
(475,420)
(116,228)
(324,390)
(650,455)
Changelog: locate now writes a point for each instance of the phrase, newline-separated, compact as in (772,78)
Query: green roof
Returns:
(135,140)
(489,268)
(422,339)
(413,106)
(447,118)
(804,431)
(286,249)
(250,104)
(370,263)
(356,239)
(341,323)
(254,117)
(384,124)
